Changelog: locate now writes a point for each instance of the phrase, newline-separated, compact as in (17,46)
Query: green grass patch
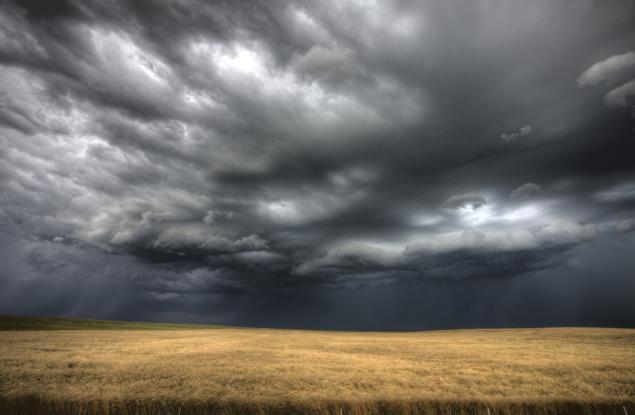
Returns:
(59,323)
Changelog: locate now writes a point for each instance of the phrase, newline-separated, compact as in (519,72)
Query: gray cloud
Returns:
(622,96)
(196,155)
(620,193)
(472,200)
(611,72)
(522,131)
(525,190)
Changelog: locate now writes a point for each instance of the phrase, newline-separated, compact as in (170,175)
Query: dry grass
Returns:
(285,371)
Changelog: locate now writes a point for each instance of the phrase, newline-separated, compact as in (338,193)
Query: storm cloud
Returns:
(258,162)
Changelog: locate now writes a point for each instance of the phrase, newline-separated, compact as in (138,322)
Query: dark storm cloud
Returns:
(189,152)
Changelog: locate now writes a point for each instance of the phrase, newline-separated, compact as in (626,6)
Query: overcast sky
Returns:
(358,164)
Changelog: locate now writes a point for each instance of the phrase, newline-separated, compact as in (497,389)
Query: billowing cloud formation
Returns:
(611,72)
(463,254)
(186,156)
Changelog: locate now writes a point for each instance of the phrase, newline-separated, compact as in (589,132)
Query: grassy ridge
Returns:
(59,323)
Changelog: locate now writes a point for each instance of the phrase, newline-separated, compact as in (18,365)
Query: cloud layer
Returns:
(189,155)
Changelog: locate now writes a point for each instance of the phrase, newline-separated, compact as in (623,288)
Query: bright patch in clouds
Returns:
(521,214)
(475,215)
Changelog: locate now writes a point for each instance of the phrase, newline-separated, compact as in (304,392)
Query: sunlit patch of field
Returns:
(564,370)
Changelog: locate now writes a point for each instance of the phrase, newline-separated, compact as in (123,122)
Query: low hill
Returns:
(60,323)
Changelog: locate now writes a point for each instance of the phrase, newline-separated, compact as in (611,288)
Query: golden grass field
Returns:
(239,370)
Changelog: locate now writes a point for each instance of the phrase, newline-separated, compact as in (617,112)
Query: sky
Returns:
(375,165)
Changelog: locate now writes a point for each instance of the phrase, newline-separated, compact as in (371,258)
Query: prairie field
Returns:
(241,370)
